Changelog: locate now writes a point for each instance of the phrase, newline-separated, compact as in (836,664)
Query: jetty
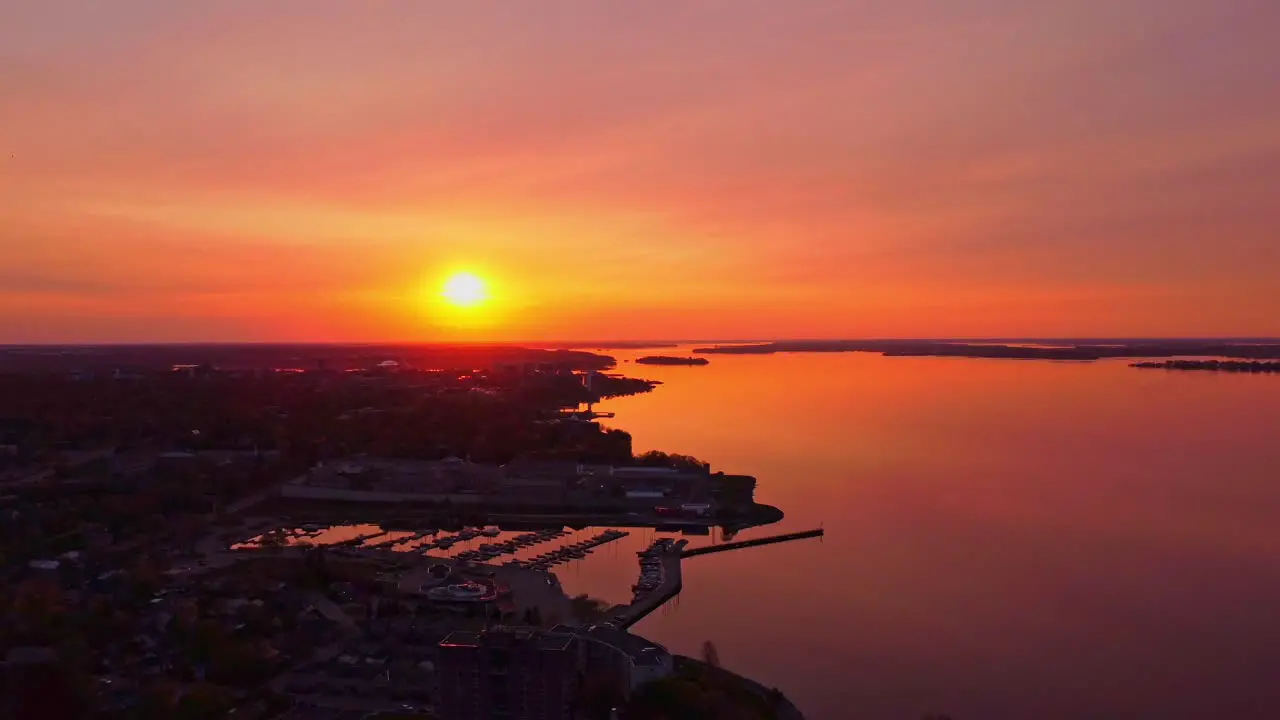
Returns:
(739,544)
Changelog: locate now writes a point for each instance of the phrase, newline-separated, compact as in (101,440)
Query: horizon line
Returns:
(640,343)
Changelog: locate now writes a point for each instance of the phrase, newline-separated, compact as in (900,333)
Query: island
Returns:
(671,360)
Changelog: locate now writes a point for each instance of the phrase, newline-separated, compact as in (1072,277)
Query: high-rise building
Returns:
(506,674)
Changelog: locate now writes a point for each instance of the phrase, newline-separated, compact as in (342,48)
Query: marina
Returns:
(660,561)
(573,551)
(488,551)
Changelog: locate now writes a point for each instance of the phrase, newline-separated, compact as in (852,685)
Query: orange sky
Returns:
(302,170)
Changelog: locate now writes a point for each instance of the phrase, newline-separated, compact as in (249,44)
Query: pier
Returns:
(738,544)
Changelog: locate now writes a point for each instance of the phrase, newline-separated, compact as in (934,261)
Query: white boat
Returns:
(461,592)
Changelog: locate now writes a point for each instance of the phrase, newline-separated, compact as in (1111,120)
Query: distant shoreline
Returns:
(1228,366)
(1030,351)
(334,357)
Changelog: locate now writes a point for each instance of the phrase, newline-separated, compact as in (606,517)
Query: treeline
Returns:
(311,417)
(657,458)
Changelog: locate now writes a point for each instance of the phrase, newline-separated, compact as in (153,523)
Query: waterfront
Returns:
(1005,539)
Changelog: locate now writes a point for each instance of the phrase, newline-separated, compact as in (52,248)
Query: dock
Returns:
(738,544)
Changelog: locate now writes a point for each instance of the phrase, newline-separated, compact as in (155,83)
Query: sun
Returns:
(464,290)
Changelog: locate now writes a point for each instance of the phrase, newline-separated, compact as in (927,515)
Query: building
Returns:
(514,674)
(523,673)
(629,661)
(555,471)
(662,480)
(396,480)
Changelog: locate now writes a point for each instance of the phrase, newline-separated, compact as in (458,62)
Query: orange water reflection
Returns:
(1005,539)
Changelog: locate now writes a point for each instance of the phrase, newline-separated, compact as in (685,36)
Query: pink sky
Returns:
(310,170)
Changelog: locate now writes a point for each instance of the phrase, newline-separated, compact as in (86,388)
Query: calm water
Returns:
(1005,539)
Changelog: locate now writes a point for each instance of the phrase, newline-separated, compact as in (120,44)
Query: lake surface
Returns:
(1005,538)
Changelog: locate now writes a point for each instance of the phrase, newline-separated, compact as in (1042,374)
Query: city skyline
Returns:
(316,171)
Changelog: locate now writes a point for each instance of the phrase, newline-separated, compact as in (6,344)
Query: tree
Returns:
(144,578)
(599,693)
(205,701)
(38,604)
(710,655)
(157,700)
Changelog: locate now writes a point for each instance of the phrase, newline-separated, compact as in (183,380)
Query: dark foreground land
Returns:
(295,356)
(121,468)
(1028,350)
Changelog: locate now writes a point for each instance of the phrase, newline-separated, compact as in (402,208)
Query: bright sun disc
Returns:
(464,290)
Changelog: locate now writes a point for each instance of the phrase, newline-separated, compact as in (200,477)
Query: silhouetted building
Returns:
(627,661)
(513,674)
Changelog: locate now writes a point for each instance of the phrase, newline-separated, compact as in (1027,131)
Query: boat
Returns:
(462,592)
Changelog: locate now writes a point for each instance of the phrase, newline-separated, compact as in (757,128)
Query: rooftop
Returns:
(640,650)
(507,637)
